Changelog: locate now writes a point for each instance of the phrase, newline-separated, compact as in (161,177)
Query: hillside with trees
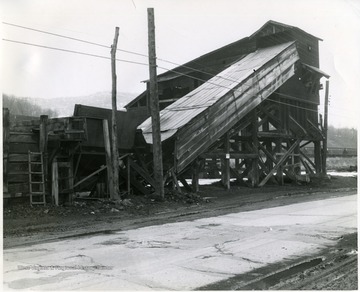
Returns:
(342,137)
(25,107)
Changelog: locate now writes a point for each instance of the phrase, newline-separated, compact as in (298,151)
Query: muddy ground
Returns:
(23,224)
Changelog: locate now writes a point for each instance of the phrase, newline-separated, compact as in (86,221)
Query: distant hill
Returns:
(64,106)
(342,137)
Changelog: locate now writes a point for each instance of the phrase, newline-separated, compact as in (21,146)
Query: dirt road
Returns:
(25,226)
(186,255)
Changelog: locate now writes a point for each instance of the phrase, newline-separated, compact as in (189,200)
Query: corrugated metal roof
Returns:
(192,104)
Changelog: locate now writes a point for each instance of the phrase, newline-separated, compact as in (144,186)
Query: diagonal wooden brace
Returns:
(281,161)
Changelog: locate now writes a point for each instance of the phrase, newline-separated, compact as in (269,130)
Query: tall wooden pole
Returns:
(324,171)
(114,144)
(154,106)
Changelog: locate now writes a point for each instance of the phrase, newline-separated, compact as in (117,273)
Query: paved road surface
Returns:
(184,255)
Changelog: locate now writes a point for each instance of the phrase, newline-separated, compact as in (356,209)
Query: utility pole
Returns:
(114,143)
(154,107)
(325,127)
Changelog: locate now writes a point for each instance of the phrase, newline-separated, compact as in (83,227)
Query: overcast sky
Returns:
(185,30)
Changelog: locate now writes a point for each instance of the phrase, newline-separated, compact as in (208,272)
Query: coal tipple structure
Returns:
(245,111)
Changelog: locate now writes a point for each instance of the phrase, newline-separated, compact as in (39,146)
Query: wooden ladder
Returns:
(36,178)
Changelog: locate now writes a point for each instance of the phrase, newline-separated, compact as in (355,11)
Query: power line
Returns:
(72,51)
(122,50)
(139,63)
(57,35)
(134,53)
(121,60)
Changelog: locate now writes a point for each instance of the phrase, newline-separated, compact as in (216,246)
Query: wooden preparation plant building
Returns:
(244,111)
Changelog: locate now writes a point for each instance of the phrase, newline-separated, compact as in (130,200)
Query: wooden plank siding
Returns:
(206,128)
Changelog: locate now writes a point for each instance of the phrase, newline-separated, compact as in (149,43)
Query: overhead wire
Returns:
(140,63)
(72,51)
(122,50)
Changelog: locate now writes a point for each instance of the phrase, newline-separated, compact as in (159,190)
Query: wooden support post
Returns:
(175,181)
(71,180)
(108,158)
(225,163)
(154,107)
(317,156)
(55,182)
(268,145)
(255,166)
(279,173)
(297,161)
(185,184)
(43,134)
(195,176)
(6,134)
(43,141)
(324,171)
(114,148)
(128,174)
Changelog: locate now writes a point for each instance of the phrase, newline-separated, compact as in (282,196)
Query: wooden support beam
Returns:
(128,180)
(271,118)
(270,156)
(280,162)
(71,181)
(308,159)
(274,135)
(296,128)
(77,165)
(296,157)
(175,181)
(103,167)
(55,182)
(233,155)
(195,176)
(279,171)
(255,141)
(107,146)
(43,136)
(306,165)
(225,163)
(154,107)
(185,184)
(326,105)
(114,139)
(143,173)
(43,141)
(305,144)
(317,156)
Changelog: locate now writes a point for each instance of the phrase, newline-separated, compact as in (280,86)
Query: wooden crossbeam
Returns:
(90,175)
(236,155)
(307,167)
(175,180)
(297,128)
(271,118)
(280,162)
(142,172)
(308,159)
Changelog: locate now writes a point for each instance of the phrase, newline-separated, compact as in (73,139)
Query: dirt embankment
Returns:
(24,224)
